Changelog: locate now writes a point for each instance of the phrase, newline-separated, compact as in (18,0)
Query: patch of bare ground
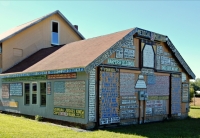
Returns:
(195,101)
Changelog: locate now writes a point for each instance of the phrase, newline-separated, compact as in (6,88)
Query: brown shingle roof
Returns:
(78,54)
(12,32)
(31,60)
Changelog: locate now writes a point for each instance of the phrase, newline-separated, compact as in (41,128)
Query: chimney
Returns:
(76,26)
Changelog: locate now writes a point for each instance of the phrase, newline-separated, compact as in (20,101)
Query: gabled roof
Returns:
(12,32)
(31,60)
(78,54)
(92,52)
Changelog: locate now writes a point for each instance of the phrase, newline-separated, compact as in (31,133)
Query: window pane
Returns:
(55,27)
(34,93)
(43,93)
(27,93)
(34,98)
(54,39)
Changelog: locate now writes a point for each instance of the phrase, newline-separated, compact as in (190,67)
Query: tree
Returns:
(191,93)
(195,85)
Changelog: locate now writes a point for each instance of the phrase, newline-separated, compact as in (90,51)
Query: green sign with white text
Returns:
(122,62)
(25,78)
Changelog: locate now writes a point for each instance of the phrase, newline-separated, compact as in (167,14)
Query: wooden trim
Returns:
(161,74)
(130,71)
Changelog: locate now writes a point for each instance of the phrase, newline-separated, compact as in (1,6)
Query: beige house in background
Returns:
(22,41)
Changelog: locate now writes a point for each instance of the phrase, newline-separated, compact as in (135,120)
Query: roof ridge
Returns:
(99,36)
(11,32)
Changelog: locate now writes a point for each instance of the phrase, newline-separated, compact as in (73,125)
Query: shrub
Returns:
(38,118)
(191,93)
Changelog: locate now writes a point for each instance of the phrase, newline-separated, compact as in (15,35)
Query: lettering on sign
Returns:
(128,107)
(13,104)
(109,98)
(129,53)
(183,75)
(175,94)
(6,103)
(160,37)
(48,87)
(173,62)
(144,33)
(78,113)
(165,60)
(120,53)
(16,89)
(72,94)
(62,76)
(5,91)
(146,71)
(159,50)
(25,78)
(155,107)
(158,98)
(127,83)
(92,95)
(185,92)
(158,85)
(108,69)
(148,56)
(121,62)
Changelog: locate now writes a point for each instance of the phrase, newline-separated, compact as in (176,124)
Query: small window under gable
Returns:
(54,33)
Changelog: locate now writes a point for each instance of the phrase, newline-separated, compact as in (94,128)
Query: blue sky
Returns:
(179,20)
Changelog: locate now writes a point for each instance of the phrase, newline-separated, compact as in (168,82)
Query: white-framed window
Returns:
(55,32)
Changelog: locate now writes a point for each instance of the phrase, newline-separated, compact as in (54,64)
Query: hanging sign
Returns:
(48,87)
(16,89)
(148,56)
(121,62)
(185,92)
(5,91)
(62,76)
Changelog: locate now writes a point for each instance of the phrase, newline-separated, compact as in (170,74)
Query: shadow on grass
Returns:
(189,127)
(195,107)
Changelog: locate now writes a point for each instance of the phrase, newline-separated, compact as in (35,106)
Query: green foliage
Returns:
(195,85)
(191,93)
(38,118)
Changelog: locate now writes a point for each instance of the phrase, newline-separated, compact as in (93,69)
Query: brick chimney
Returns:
(76,26)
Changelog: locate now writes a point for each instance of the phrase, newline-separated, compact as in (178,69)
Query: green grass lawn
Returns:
(20,127)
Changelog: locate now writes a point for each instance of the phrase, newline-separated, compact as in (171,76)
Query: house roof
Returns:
(78,54)
(90,53)
(12,32)
(31,60)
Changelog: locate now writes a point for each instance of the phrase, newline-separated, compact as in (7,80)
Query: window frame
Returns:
(54,21)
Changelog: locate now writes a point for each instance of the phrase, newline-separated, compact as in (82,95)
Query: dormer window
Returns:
(55,33)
